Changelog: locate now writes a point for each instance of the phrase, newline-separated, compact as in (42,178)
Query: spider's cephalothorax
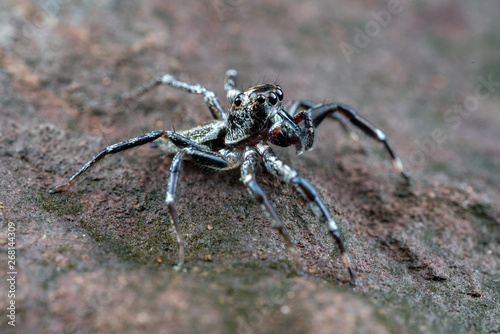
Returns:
(258,115)
(250,112)
(241,139)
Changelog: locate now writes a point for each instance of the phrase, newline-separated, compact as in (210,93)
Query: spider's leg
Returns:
(349,131)
(248,169)
(166,79)
(175,171)
(277,167)
(222,160)
(321,111)
(230,85)
(297,105)
(206,158)
(115,148)
(188,149)
(306,105)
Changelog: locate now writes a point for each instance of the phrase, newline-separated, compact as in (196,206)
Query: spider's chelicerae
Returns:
(242,138)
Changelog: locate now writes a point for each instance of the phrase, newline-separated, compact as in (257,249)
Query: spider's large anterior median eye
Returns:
(279,92)
(237,101)
(261,99)
(273,99)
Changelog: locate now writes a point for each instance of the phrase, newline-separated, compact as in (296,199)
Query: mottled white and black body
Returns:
(241,138)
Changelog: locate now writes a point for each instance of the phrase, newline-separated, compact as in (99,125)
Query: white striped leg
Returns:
(201,154)
(111,149)
(166,79)
(319,112)
(230,85)
(248,168)
(306,105)
(289,175)
(206,158)
(175,171)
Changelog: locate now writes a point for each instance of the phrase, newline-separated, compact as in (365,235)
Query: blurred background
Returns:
(427,73)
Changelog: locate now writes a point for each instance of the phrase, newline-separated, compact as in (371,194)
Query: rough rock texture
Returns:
(98,258)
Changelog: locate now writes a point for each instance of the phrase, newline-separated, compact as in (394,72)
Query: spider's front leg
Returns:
(321,111)
(277,167)
(111,149)
(208,159)
(187,150)
(306,105)
(248,170)
(224,159)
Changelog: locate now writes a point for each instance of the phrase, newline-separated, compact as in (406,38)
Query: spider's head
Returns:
(251,112)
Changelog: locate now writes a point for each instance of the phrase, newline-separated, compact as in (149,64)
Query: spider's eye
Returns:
(237,101)
(273,99)
(279,92)
(261,99)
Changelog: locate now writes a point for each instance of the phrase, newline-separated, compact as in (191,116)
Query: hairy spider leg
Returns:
(189,150)
(277,167)
(197,153)
(115,148)
(230,85)
(166,79)
(248,168)
(321,111)
(303,104)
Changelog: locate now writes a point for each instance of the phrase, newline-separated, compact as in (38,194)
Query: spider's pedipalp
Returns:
(295,107)
(307,137)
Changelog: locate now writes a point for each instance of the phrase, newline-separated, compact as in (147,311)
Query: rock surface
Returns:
(98,258)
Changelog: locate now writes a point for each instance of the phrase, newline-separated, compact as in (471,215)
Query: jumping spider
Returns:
(241,138)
